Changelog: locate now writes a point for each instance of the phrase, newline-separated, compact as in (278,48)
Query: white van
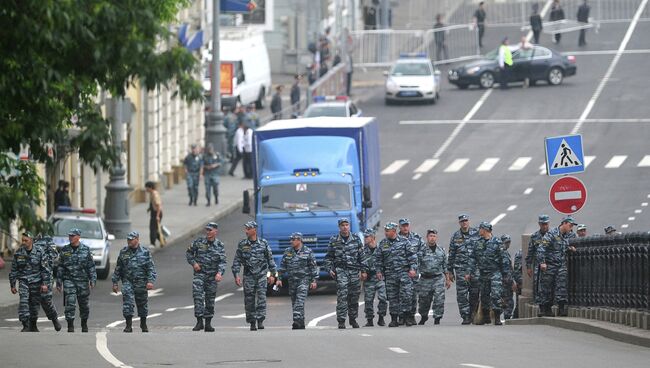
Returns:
(251,70)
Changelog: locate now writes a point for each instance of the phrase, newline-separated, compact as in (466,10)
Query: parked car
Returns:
(537,63)
(335,106)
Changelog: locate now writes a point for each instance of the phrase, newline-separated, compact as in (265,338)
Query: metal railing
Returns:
(331,84)
(610,271)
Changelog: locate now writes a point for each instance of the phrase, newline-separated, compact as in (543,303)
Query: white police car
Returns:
(93,234)
(335,106)
(412,78)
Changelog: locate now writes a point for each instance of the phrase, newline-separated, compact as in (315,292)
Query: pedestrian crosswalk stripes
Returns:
(645,161)
(488,164)
(520,163)
(394,167)
(457,165)
(615,162)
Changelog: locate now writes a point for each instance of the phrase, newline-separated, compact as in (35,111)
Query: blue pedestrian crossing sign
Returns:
(564,155)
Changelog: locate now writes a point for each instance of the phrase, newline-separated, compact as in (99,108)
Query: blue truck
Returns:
(310,172)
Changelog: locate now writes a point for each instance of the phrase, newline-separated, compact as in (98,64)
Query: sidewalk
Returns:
(180,218)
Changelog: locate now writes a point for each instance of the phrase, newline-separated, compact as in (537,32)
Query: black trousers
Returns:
(247,163)
(536,36)
(235,161)
(153,227)
(481,32)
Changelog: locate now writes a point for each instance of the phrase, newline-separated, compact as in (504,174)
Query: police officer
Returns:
(372,285)
(30,269)
(344,260)
(76,276)
(518,281)
(255,255)
(581,230)
(136,270)
(210,166)
(551,256)
(508,283)
(49,248)
(207,256)
(192,165)
(488,260)
(461,248)
(416,241)
(432,266)
(610,230)
(532,265)
(397,262)
(298,267)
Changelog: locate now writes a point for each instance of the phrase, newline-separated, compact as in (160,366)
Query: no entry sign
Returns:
(568,195)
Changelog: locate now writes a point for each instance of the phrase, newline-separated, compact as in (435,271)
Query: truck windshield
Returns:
(303,197)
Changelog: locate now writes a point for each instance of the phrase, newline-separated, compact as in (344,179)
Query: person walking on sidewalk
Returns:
(52,256)
(439,38)
(238,141)
(557,14)
(30,269)
(210,166)
(155,212)
(583,17)
(276,103)
(76,277)
(346,264)
(254,254)
(192,165)
(247,153)
(479,22)
(433,279)
(295,95)
(207,256)
(298,266)
(136,270)
(536,23)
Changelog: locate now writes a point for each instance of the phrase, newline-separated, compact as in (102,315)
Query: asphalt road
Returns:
(509,126)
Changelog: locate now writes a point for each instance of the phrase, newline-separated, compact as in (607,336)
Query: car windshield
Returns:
(303,197)
(411,69)
(325,110)
(89,229)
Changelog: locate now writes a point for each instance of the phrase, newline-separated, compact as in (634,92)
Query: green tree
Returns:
(55,58)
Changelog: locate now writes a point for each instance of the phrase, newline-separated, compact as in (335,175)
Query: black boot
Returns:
(253,326)
(562,310)
(341,324)
(393,321)
(56,324)
(548,311)
(84,325)
(423,319)
(541,311)
(497,317)
(380,321)
(401,321)
(25,326)
(302,324)
(353,323)
(129,325)
(369,323)
(486,317)
(295,325)
(70,325)
(32,325)
(260,324)
(409,320)
(436,321)
(143,324)
(208,204)
(467,320)
(199,324)
(208,325)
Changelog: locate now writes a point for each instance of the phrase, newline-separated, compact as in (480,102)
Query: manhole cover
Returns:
(246,361)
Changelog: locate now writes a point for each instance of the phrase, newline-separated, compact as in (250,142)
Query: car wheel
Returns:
(555,76)
(259,104)
(103,274)
(486,80)
(463,86)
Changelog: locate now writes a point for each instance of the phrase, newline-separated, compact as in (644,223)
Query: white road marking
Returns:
(101,345)
(605,52)
(512,207)
(182,327)
(398,195)
(487,164)
(417,176)
(236,316)
(398,350)
(40,319)
(644,204)
(475,365)
(427,165)
(460,126)
(365,335)
(542,169)
(638,211)
(612,66)
(219,298)
(155,292)
(528,191)
(624,226)
(519,164)
(645,161)
(615,162)
(224,296)
(457,165)
(314,322)
(526,121)
(631,218)
(497,219)
(240,289)
(589,160)
(394,167)
(117,323)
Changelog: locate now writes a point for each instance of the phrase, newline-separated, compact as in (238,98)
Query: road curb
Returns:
(629,335)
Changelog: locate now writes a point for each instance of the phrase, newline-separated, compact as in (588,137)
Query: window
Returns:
(257,16)
(541,52)
(302,197)
(89,229)
(411,69)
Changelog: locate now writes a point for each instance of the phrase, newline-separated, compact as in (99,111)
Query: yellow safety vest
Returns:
(507,55)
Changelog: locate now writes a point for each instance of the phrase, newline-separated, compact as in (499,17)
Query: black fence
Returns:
(610,271)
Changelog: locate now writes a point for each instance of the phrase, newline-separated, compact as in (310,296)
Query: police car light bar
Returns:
(330,98)
(71,209)
(404,55)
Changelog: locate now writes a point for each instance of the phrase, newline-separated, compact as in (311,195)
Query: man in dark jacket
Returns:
(295,95)
(536,23)
(557,13)
(276,103)
(583,17)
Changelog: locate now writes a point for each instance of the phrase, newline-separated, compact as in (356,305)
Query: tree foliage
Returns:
(56,55)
